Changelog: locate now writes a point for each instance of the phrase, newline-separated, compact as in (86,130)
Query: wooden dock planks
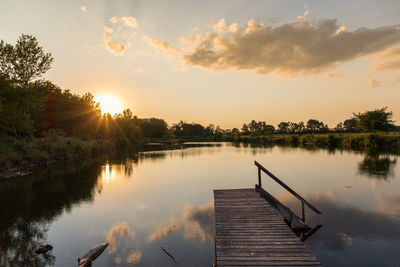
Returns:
(249,232)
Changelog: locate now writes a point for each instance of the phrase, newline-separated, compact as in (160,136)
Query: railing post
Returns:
(303,217)
(259,176)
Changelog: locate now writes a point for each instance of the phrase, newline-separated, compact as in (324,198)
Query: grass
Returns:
(345,140)
(54,147)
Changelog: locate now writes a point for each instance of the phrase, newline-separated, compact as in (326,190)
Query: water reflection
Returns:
(108,174)
(19,242)
(343,223)
(137,202)
(197,222)
(29,204)
(118,233)
(377,165)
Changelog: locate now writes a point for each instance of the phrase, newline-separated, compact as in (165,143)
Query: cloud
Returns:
(130,21)
(373,82)
(392,57)
(198,223)
(134,257)
(163,45)
(332,75)
(118,34)
(389,66)
(114,47)
(113,19)
(294,47)
(84,9)
(118,230)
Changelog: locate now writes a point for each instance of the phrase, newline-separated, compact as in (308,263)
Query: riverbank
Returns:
(340,140)
(20,156)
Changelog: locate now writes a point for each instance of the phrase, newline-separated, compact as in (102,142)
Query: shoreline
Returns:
(58,149)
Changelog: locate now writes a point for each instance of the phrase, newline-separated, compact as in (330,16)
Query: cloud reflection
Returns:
(389,204)
(198,223)
(342,222)
(122,230)
(134,257)
(118,230)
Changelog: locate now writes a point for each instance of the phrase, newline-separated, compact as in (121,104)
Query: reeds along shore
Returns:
(344,140)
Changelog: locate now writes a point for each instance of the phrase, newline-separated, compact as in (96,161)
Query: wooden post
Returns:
(302,212)
(259,176)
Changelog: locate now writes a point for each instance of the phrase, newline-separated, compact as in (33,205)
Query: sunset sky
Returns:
(221,62)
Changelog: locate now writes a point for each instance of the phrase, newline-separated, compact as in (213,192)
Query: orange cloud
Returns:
(373,82)
(295,47)
(117,36)
(130,21)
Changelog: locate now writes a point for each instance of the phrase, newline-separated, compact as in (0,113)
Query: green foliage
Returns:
(375,120)
(25,61)
(372,140)
(334,140)
(54,146)
(258,128)
(350,125)
(316,126)
(283,127)
(153,128)
(39,121)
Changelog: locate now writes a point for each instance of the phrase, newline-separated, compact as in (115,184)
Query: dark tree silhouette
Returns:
(375,120)
(25,61)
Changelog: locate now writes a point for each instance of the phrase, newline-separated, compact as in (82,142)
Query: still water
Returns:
(164,198)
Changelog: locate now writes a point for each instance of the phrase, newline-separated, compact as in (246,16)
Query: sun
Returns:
(109,104)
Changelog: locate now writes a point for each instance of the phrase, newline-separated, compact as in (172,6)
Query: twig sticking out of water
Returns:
(169,254)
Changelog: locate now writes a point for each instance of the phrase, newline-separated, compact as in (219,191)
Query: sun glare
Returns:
(109,104)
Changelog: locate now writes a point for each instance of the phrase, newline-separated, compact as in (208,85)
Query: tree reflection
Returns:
(19,242)
(377,165)
(31,203)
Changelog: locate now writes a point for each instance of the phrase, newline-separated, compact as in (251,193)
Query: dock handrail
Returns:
(276,179)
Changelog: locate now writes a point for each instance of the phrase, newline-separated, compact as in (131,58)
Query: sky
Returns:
(222,62)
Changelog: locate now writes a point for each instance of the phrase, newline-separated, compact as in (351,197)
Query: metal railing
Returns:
(276,179)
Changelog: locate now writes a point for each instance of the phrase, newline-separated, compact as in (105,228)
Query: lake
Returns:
(147,199)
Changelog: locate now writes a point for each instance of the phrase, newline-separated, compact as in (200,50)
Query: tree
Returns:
(245,129)
(316,126)
(375,120)
(25,61)
(339,127)
(269,129)
(283,127)
(350,125)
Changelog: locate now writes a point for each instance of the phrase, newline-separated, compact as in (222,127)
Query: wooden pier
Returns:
(251,232)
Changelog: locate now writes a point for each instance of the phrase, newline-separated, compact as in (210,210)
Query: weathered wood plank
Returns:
(249,232)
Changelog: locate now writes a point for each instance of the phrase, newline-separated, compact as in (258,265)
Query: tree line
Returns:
(369,121)
(31,107)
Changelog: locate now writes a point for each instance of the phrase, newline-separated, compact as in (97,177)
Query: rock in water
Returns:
(43,249)
(93,253)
